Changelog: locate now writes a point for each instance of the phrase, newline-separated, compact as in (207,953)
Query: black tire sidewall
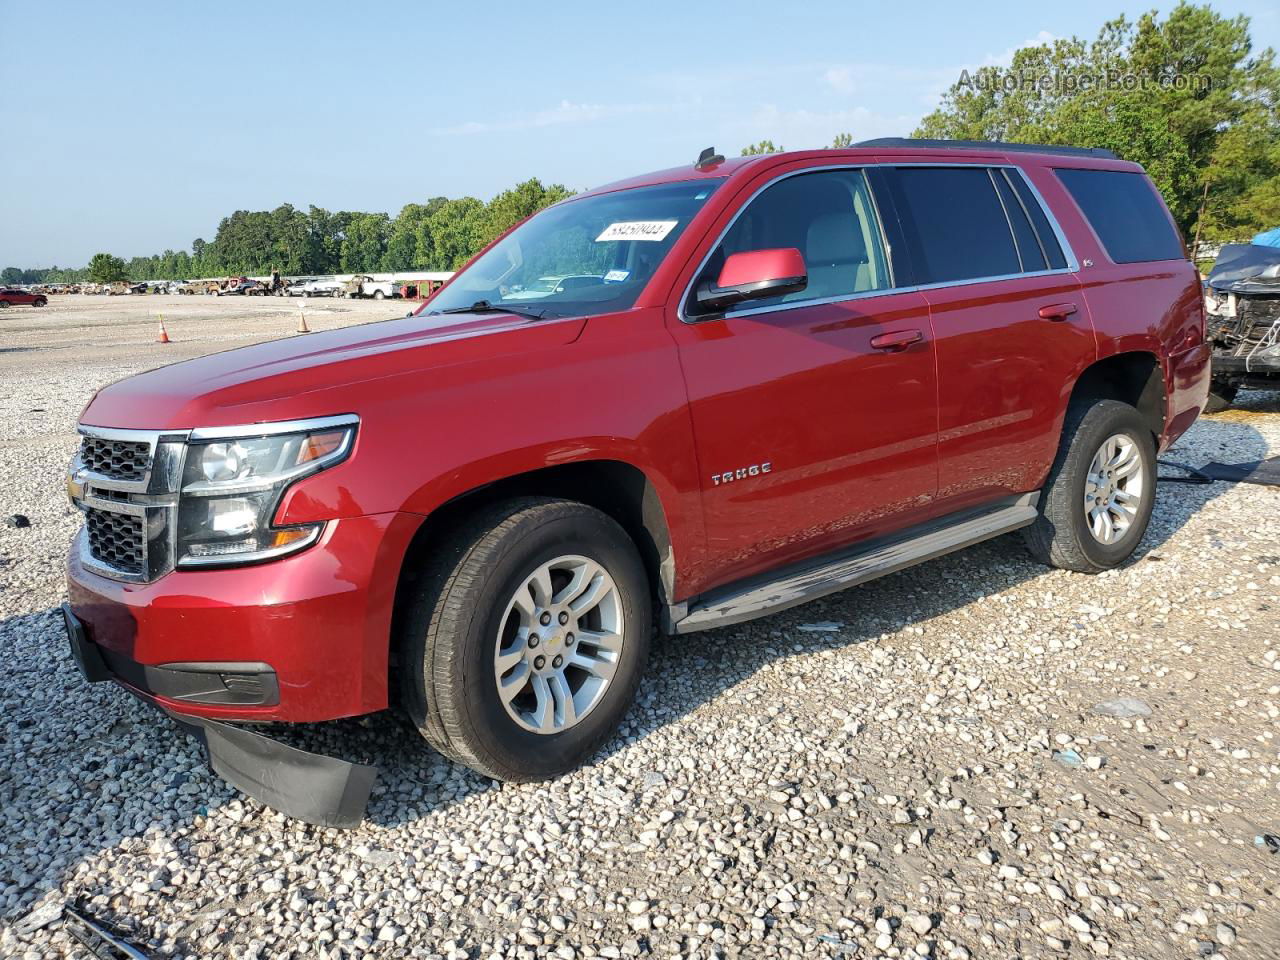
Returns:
(1100,423)
(531,755)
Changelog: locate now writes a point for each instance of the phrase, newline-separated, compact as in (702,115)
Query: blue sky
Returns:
(132,127)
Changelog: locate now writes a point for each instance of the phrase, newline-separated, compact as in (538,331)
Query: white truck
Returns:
(364,287)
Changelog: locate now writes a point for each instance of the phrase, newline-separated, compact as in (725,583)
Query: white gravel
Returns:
(954,762)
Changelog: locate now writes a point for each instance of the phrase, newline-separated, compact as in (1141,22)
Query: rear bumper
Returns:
(301,639)
(307,786)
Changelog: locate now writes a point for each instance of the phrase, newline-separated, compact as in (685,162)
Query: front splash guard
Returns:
(325,791)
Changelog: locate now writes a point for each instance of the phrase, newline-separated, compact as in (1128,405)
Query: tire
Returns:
(1062,535)
(379,295)
(39,302)
(460,612)
(4,304)
(1221,396)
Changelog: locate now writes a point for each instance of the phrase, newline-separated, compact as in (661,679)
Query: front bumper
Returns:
(300,639)
(317,789)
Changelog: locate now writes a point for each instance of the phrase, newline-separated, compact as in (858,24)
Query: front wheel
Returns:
(523,646)
(378,295)
(39,302)
(1097,501)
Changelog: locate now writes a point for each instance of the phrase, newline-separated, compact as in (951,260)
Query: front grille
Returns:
(117,459)
(117,539)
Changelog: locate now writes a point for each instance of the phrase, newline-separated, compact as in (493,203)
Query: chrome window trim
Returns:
(1072,266)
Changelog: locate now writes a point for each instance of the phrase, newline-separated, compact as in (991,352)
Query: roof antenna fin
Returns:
(707,159)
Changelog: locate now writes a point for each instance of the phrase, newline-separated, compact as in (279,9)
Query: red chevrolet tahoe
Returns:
(676,402)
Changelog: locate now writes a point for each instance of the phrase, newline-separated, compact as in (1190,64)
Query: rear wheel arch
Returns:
(1135,378)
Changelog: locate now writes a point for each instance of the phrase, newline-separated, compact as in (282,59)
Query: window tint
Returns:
(955,223)
(1030,252)
(1126,213)
(1048,240)
(829,218)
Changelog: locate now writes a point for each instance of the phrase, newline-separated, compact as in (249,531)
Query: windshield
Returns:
(592,255)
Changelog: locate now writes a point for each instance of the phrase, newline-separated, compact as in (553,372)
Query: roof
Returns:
(885,149)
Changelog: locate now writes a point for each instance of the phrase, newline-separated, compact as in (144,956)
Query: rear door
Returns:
(1012,331)
(811,430)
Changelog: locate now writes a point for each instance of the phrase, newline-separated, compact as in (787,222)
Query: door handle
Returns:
(897,340)
(1057,311)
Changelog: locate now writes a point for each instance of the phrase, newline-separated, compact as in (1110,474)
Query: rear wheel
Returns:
(1097,501)
(3,304)
(523,646)
(378,295)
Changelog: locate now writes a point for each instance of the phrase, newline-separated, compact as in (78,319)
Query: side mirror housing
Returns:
(753,275)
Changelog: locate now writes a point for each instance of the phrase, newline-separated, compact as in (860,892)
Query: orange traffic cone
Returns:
(163,336)
(302,320)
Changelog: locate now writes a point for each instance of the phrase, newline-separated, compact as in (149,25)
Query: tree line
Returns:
(440,234)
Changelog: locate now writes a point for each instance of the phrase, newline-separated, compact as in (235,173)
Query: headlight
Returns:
(231,487)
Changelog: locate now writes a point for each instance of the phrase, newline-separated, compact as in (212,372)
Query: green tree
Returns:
(104,268)
(10,275)
(763,147)
(523,200)
(457,231)
(364,243)
(842,141)
(1184,96)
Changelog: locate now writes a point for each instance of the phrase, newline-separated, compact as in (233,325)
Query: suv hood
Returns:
(306,375)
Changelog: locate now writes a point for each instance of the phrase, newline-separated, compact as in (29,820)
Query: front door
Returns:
(814,413)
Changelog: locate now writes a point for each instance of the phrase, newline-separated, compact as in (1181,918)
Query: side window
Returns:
(1048,239)
(1126,213)
(829,217)
(955,223)
(1030,252)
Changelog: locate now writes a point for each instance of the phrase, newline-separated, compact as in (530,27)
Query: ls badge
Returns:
(755,470)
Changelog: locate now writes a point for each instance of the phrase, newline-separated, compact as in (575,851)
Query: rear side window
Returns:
(955,224)
(1048,239)
(1030,250)
(1126,214)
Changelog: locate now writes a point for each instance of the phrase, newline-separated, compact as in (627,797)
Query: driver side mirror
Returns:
(754,275)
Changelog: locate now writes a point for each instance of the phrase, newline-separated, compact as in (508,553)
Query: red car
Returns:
(10,296)
(783,375)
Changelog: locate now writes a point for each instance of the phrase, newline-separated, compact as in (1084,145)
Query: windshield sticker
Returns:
(616,276)
(637,230)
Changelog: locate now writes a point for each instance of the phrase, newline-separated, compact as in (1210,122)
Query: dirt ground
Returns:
(976,758)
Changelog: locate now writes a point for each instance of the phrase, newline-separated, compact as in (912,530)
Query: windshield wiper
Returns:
(484,306)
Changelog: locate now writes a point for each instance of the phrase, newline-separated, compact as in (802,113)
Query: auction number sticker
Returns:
(637,230)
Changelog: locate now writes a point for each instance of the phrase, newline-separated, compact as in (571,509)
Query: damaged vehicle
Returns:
(1242,300)
(774,378)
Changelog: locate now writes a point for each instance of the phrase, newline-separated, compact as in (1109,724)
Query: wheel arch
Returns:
(618,489)
(1135,377)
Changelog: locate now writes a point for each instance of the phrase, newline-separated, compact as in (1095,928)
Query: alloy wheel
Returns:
(559,644)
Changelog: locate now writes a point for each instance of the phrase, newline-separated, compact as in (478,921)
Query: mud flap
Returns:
(325,791)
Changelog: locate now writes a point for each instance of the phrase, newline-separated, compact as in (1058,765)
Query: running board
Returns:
(738,603)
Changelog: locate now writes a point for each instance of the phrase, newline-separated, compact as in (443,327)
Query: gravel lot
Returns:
(917,767)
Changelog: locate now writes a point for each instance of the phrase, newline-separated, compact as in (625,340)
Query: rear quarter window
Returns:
(1126,213)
